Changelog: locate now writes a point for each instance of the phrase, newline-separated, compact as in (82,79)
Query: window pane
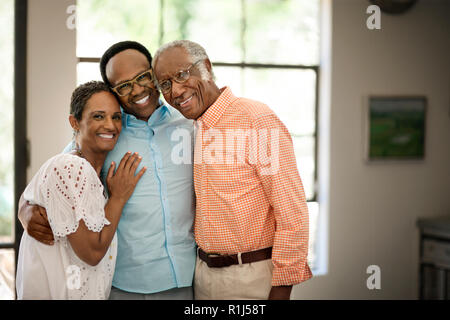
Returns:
(229,76)
(88,71)
(295,108)
(290,93)
(282,32)
(6,120)
(304,154)
(213,24)
(7,274)
(101,23)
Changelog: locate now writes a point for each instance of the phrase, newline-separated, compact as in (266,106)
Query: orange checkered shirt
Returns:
(248,189)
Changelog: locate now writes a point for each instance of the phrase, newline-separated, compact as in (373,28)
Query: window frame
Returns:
(21,144)
(21,155)
(244,64)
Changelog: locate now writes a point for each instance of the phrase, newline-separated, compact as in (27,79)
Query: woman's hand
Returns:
(91,246)
(121,184)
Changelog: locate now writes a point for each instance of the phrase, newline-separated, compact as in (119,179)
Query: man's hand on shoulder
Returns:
(34,220)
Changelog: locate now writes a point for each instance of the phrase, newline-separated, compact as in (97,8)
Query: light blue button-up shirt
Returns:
(156,246)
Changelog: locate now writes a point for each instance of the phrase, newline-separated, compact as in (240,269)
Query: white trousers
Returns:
(249,281)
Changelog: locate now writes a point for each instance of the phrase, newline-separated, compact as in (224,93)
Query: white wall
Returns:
(373,208)
(51,79)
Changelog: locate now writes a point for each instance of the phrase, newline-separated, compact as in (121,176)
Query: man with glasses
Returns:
(156,248)
(251,221)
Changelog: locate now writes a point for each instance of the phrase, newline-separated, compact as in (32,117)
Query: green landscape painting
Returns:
(396,127)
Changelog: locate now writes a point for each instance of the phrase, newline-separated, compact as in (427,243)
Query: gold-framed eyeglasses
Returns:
(145,79)
(181,76)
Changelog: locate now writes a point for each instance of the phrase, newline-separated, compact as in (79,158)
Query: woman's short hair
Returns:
(82,94)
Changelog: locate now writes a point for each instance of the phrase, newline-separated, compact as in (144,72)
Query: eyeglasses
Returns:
(145,79)
(181,76)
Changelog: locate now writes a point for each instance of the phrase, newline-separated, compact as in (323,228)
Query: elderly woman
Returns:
(80,264)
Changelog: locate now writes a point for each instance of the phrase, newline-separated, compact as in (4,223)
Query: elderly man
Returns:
(156,247)
(251,221)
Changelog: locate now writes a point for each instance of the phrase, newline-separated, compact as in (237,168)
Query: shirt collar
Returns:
(217,109)
(158,115)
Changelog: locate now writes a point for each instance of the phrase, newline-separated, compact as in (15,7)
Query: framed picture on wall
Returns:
(396,127)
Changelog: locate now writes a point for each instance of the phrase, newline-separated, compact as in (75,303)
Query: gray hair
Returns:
(195,51)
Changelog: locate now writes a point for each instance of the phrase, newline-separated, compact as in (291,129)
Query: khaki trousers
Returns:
(250,281)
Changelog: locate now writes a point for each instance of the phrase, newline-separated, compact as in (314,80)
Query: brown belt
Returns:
(219,261)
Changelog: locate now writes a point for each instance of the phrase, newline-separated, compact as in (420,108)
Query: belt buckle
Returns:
(213,255)
(207,254)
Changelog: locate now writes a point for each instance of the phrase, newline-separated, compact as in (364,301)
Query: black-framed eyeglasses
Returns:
(181,76)
(145,79)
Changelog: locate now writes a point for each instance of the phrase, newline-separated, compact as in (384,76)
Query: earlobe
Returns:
(74,123)
(208,65)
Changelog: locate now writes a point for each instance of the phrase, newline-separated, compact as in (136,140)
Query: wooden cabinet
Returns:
(434,274)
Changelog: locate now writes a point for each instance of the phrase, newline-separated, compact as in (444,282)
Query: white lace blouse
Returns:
(68,187)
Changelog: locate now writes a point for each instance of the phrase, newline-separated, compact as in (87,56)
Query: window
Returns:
(7,155)
(263,49)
